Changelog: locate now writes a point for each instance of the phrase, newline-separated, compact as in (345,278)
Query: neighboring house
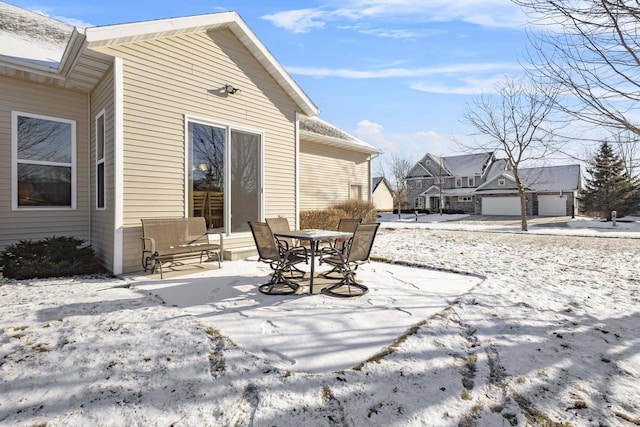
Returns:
(481,184)
(550,191)
(334,165)
(447,182)
(103,127)
(382,195)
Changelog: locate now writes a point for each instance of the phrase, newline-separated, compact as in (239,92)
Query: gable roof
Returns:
(467,164)
(461,165)
(69,49)
(317,130)
(552,178)
(32,37)
(375,181)
(542,179)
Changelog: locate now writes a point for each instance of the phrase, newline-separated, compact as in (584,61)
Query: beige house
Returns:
(169,118)
(382,196)
(334,165)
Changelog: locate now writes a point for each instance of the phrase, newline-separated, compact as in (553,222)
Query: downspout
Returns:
(89,165)
(371,157)
(118,159)
(297,169)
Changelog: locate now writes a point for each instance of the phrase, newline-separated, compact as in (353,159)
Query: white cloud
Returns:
(411,145)
(469,86)
(404,72)
(298,21)
(487,13)
(393,33)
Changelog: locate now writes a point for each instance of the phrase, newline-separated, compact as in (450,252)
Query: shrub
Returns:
(327,219)
(51,257)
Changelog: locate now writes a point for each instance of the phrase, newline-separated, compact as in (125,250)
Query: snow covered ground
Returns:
(549,335)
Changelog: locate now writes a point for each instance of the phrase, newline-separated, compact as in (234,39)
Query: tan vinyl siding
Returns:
(27,97)
(382,198)
(327,173)
(164,79)
(102,220)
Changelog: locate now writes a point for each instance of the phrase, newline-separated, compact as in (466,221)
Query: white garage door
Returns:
(500,206)
(552,205)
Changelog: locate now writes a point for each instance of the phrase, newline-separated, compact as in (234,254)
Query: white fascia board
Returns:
(29,66)
(339,143)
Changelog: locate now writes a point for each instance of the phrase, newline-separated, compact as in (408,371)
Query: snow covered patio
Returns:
(312,333)
(550,337)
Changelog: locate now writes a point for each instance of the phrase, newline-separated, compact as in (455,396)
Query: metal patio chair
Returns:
(281,259)
(356,252)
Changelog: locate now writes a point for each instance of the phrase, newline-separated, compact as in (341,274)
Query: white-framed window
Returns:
(43,151)
(501,182)
(224,175)
(471,181)
(464,198)
(458,182)
(355,192)
(419,184)
(100,165)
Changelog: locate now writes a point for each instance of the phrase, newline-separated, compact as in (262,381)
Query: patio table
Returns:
(313,236)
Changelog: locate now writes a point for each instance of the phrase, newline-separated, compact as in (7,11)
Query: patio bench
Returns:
(165,239)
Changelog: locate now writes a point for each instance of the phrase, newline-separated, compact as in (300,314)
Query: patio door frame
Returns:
(227,168)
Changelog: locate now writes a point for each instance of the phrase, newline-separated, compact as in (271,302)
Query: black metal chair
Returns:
(356,252)
(281,259)
(282,224)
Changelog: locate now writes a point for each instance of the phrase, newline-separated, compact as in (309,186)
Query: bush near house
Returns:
(51,257)
(327,219)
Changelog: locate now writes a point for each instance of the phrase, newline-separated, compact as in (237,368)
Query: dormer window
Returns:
(471,181)
(458,182)
(501,182)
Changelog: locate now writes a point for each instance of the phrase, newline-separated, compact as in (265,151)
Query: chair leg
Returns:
(353,288)
(279,285)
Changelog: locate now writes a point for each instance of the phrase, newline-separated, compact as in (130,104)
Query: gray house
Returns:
(482,184)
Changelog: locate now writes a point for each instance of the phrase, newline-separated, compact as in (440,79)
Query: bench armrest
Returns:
(148,244)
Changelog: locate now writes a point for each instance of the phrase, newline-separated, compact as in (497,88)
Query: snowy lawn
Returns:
(551,335)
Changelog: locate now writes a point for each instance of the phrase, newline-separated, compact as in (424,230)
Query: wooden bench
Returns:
(167,238)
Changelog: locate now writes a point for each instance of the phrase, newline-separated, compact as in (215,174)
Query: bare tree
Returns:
(399,167)
(516,122)
(591,49)
(628,148)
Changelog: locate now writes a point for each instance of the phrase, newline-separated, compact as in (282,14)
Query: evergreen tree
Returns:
(609,188)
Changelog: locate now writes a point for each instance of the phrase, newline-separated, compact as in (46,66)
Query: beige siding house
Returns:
(169,118)
(334,165)
(382,195)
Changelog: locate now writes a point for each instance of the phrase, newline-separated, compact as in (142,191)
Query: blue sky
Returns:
(396,73)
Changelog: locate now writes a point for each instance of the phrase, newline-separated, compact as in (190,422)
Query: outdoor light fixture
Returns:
(230,89)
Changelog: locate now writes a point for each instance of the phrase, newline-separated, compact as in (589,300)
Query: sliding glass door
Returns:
(224,176)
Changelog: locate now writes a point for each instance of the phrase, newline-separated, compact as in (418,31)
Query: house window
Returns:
(225,176)
(501,182)
(44,161)
(471,182)
(458,182)
(464,198)
(100,138)
(427,162)
(418,184)
(355,192)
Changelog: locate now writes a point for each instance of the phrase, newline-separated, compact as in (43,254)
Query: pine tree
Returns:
(609,188)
